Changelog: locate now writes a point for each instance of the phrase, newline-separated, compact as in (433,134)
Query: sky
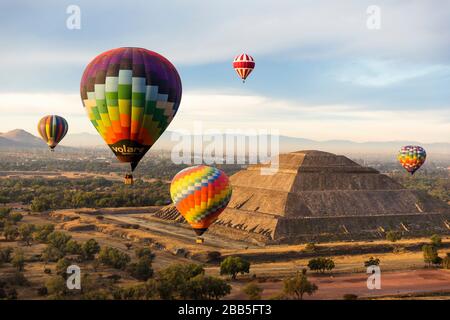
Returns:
(320,72)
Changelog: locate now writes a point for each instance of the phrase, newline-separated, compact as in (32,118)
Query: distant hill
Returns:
(20,138)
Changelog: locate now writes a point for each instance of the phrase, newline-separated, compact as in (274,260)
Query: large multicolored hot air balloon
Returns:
(52,129)
(244,65)
(200,194)
(130,95)
(412,158)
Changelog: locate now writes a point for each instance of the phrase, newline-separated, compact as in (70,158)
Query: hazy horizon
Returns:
(320,73)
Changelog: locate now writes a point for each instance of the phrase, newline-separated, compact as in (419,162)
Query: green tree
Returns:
(310,247)
(142,269)
(436,240)
(321,264)
(73,247)
(26,232)
(4,212)
(393,236)
(18,260)
(56,287)
(59,240)
(15,217)
(171,282)
(113,257)
(234,265)
(10,232)
(298,285)
(202,287)
(446,262)
(253,291)
(90,248)
(51,254)
(430,254)
(144,252)
(5,255)
(43,231)
(61,267)
(372,262)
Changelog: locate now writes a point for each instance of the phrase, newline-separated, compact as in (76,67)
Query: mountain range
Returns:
(19,138)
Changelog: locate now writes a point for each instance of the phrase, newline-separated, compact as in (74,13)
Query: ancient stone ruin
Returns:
(319,196)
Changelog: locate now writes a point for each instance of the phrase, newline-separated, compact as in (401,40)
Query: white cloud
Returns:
(381,73)
(230,111)
(200,31)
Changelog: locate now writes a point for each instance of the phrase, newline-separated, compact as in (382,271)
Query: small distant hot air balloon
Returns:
(130,95)
(200,194)
(52,129)
(244,65)
(412,158)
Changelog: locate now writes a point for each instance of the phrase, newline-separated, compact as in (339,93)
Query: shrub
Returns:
(26,232)
(51,254)
(73,247)
(436,240)
(42,291)
(144,253)
(393,236)
(372,262)
(430,254)
(113,257)
(10,232)
(16,279)
(18,260)
(213,256)
(15,217)
(56,286)
(5,255)
(310,247)
(253,291)
(299,285)
(446,262)
(43,231)
(61,267)
(90,248)
(59,240)
(321,264)
(142,269)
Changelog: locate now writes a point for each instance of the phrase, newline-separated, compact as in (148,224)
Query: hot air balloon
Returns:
(200,194)
(244,65)
(130,95)
(412,158)
(52,129)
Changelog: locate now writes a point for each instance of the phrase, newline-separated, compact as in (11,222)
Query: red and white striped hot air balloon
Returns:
(244,65)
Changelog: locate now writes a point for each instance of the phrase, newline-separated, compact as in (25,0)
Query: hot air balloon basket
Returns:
(128,179)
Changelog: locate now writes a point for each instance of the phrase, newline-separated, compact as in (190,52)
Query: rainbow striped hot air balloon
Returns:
(412,158)
(200,194)
(130,95)
(243,64)
(52,129)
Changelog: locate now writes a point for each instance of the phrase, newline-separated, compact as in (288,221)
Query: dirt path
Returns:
(392,283)
(182,234)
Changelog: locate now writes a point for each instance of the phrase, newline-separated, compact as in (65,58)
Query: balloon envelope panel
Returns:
(52,129)
(243,64)
(200,194)
(130,95)
(412,158)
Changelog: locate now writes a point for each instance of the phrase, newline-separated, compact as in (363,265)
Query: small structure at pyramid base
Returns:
(319,196)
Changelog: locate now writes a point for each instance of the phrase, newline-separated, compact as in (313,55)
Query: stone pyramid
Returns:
(319,196)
